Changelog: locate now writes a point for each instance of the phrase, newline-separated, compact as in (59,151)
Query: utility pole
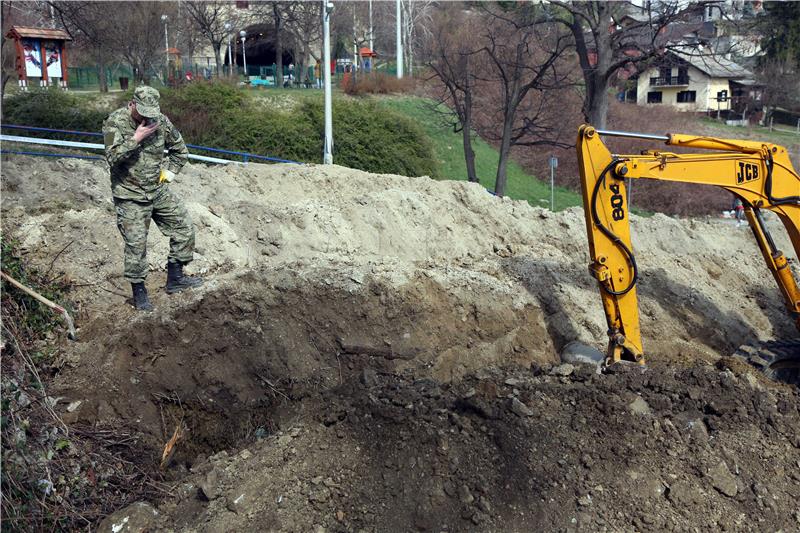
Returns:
(327,149)
(164,19)
(355,44)
(399,43)
(371,44)
(243,35)
(228,27)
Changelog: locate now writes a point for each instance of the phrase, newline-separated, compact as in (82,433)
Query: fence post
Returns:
(553,165)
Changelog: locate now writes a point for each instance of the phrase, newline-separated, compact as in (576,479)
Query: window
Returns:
(722,96)
(242,4)
(687,97)
(654,97)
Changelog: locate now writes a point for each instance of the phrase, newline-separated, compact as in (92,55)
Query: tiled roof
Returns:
(40,33)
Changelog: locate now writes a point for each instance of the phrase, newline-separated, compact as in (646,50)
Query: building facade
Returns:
(696,83)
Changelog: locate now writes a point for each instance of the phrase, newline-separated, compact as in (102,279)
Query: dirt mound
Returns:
(368,353)
(556,449)
(704,289)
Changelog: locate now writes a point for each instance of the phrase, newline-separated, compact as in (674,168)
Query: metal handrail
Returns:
(657,81)
(246,156)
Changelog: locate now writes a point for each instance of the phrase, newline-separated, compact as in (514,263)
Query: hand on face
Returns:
(144,131)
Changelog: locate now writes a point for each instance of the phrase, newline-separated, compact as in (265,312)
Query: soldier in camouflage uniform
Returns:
(145,151)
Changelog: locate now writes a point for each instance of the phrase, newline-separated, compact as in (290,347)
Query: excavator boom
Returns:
(760,174)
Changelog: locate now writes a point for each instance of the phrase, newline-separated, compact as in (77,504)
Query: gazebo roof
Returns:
(366,52)
(18,32)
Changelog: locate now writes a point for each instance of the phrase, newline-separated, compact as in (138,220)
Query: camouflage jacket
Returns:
(136,167)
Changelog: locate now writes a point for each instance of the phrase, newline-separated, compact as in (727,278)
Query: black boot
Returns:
(140,300)
(176,281)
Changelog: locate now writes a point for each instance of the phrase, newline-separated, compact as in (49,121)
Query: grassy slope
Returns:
(450,153)
(785,138)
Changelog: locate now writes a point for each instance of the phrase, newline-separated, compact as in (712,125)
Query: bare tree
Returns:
(209,18)
(524,49)
(781,81)
(277,18)
(8,53)
(451,53)
(416,15)
(609,36)
(90,26)
(302,23)
(138,36)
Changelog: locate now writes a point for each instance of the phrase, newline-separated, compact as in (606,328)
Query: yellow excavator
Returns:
(758,173)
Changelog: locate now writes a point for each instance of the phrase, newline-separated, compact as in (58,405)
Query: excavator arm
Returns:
(761,174)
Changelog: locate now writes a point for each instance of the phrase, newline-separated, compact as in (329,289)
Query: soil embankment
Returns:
(376,352)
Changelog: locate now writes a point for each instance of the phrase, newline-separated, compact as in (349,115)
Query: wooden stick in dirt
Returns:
(55,307)
(169,449)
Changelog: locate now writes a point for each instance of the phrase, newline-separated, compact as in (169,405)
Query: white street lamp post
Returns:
(230,62)
(327,150)
(399,43)
(164,19)
(243,35)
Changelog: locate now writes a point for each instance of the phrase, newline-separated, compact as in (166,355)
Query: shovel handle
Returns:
(55,307)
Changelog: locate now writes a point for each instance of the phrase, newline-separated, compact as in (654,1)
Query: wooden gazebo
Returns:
(41,54)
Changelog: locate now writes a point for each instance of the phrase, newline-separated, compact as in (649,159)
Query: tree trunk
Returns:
(408,30)
(505,149)
(101,73)
(466,132)
(595,77)
(5,79)
(299,68)
(278,45)
(596,111)
(218,57)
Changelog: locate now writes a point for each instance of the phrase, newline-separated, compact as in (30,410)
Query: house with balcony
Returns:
(696,82)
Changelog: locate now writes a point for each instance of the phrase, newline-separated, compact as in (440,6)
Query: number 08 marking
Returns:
(617,211)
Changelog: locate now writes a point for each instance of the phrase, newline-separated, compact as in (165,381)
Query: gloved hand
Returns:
(166,176)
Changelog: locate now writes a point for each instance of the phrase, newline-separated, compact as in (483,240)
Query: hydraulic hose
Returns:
(795,200)
(611,235)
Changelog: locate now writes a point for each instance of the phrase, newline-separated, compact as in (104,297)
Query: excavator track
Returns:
(778,360)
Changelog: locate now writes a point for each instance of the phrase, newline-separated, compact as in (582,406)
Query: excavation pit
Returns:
(235,361)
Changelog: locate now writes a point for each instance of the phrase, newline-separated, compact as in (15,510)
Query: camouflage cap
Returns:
(146,100)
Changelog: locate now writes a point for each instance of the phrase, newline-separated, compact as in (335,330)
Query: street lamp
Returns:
(243,35)
(164,19)
(327,149)
(399,18)
(228,27)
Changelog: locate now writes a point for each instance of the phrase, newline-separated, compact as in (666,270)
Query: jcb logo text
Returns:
(747,172)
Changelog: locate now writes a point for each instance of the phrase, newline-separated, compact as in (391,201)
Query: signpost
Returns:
(553,166)
(41,53)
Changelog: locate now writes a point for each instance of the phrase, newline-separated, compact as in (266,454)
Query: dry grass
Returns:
(377,83)
(56,476)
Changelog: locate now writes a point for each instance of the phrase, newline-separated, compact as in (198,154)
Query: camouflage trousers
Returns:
(171,217)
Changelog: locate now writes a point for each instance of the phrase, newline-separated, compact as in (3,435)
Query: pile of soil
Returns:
(550,449)
(377,353)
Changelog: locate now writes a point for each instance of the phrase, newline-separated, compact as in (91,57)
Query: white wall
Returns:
(705,87)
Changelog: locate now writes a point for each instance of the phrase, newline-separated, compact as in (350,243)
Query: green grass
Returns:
(787,139)
(449,151)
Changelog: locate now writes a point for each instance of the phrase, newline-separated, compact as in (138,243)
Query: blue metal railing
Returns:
(246,156)
(46,154)
(48,130)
